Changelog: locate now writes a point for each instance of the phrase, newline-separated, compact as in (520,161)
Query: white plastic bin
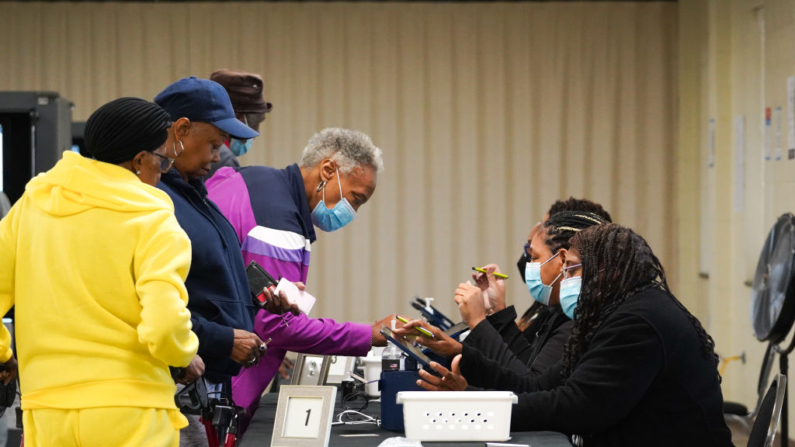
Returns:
(457,415)
(372,373)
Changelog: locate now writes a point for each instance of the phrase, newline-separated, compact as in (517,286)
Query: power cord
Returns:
(365,419)
(352,397)
(349,413)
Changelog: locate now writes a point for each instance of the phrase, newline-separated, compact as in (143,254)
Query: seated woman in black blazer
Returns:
(639,369)
(497,336)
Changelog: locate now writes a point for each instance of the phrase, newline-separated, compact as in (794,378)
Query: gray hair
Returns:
(348,148)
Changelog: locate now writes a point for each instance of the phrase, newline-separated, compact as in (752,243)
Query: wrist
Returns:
(473,322)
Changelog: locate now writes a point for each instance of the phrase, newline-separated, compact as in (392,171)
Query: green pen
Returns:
(421,330)
(498,275)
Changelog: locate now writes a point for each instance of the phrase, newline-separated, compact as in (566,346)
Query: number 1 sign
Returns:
(303,416)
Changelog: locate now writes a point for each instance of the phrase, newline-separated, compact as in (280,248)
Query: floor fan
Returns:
(773,297)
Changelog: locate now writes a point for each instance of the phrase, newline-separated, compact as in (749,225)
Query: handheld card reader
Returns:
(259,279)
(428,303)
(456,330)
(412,351)
(453,333)
(431,313)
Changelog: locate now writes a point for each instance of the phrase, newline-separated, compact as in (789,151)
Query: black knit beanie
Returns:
(122,128)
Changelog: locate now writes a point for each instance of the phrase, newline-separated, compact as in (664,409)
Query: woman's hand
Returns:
(441,343)
(492,287)
(192,372)
(246,349)
(470,303)
(450,380)
(285,367)
(8,370)
(279,304)
(378,339)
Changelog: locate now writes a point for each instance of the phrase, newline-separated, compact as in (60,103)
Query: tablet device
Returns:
(430,317)
(456,330)
(446,321)
(453,332)
(407,347)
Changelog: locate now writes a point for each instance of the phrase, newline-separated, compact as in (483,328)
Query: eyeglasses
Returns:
(527,249)
(165,162)
(566,273)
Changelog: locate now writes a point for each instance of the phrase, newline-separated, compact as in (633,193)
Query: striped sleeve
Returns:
(283,254)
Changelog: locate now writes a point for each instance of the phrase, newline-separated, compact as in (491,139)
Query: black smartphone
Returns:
(258,279)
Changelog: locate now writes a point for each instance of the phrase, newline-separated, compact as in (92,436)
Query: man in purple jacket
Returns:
(274,213)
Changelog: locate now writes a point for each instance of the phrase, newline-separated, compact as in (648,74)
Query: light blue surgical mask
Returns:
(570,294)
(539,291)
(333,219)
(240,147)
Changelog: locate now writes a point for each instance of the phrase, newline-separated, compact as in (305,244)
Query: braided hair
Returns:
(558,231)
(617,265)
(582,205)
(564,225)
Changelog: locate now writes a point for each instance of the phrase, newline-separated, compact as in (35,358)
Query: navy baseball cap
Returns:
(204,101)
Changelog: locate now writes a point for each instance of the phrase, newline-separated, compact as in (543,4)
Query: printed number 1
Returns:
(308,412)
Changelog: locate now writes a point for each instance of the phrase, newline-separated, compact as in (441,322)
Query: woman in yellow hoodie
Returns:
(95,262)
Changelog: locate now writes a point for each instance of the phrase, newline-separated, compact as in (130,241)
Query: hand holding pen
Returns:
(492,282)
(440,343)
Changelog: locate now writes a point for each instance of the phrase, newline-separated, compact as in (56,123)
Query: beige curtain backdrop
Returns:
(486,114)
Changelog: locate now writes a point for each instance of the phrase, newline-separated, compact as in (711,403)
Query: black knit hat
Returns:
(122,128)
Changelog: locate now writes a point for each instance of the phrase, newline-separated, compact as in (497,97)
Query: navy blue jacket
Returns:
(219,298)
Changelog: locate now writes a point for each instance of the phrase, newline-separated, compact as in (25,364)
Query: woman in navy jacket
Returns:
(219,296)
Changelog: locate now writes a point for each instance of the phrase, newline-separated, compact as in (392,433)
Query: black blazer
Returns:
(644,380)
(501,340)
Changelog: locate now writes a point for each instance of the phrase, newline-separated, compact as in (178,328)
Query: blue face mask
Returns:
(333,219)
(240,147)
(570,294)
(540,291)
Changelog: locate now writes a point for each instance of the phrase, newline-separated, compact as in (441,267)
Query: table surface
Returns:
(261,427)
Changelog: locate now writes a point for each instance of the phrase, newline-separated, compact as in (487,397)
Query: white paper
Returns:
(739,164)
(711,144)
(304,300)
(778,133)
(768,137)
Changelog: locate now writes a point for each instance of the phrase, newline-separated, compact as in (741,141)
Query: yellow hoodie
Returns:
(95,262)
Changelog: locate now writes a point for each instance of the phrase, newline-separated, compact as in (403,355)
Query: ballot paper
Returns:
(304,300)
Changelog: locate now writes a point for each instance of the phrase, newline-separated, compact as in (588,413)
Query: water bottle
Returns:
(392,357)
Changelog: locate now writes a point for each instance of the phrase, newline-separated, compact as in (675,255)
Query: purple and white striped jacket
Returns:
(269,211)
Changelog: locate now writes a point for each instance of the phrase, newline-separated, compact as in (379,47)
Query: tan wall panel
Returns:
(486,113)
(728,70)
